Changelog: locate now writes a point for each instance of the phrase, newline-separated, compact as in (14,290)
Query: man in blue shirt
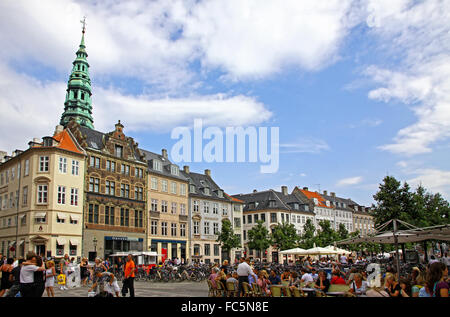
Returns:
(274,278)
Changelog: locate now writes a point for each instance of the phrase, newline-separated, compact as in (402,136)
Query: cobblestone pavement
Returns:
(147,289)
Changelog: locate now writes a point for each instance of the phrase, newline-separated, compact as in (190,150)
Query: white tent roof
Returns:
(292,251)
(341,251)
(318,251)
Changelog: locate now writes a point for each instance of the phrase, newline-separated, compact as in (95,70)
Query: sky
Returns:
(359,89)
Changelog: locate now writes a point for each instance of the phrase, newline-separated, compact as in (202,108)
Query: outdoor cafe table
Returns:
(336,293)
(309,290)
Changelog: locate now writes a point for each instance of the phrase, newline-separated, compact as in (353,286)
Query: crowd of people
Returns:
(32,276)
(430,281)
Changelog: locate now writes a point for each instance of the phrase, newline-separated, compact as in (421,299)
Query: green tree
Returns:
(227,238)
(284,236)
(259,237)
(326,234)
(307,238)
(342,232)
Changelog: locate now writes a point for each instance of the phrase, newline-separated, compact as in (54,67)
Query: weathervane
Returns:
(84,23)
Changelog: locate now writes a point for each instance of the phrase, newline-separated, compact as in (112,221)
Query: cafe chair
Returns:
(275,291)
(220,289)
(231,289)
(247,289)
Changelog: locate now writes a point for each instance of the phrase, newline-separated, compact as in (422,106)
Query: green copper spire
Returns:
(78,104)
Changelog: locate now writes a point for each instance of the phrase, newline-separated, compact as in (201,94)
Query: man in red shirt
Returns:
(128,281)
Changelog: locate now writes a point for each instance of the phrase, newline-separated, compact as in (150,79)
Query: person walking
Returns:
(50,274)
(129,274)
(39,278)
(243,271)
(63,266)
(84,271)
(15,280)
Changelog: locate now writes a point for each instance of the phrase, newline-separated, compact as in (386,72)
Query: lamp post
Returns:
(94,241)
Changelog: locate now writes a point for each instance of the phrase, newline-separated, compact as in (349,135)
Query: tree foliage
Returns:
(259,237)
(284,236)
(227,238)
(307,238)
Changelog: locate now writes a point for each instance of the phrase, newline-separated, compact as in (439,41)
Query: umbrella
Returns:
(292,251)
(318,251)
(341,251)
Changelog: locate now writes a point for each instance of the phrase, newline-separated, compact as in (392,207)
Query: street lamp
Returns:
(95,245)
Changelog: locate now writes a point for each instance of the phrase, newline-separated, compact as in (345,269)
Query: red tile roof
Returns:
(234,199)
(312,195)
(66,142)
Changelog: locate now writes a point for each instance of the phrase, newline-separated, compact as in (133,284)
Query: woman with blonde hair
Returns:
(392,286)
(50,274)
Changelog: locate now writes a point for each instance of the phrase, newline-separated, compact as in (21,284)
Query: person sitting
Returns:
(285,276)
(306,278)
(314,274)
(337,278)
(274,278)
(436,280)
(358,285)
(295,281)
(253,277)
(392,287)
(233,278)
(263,282)
(405,285)
(322,283)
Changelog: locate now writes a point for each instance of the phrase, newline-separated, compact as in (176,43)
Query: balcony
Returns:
(154,214)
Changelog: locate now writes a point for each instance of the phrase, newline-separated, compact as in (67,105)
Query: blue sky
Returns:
(358,88)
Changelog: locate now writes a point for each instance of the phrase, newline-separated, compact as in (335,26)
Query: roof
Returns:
(271,199)
(66,142)
(311,195)
(166,163)
(204,181)
(234,199)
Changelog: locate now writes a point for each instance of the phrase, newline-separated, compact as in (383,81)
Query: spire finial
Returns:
(84,24)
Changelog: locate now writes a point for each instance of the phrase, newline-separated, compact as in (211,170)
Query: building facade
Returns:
(208,205)
(363,221)
(237,212)
(41,197)
(168,203)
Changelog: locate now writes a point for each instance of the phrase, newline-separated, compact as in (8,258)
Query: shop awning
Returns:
(61,215)
(74,242)
(21,242)
(61,241)
(22,216)
(292,251)
(75,217)
(39,215)
(12,243)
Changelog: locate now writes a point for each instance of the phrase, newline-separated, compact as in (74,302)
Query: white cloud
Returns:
(31,108)
(371,123)
(349,181)
(156,41)
(305,145)
(418,35)
(434,180)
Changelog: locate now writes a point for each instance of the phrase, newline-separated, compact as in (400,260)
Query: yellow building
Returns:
(41,197)
(168,227)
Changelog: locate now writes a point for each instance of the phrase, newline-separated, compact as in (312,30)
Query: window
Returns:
(42,194)
(174,230)
(138,193)
(183,189)
(174,170)
(23,220)
(43,165)
(216,249)
(138,172)
(94,184)
(174,208)
(108,165)
(206,207)
(124,217)
(215,208)
(154,205)
(24,196)
(95,162)
(27,169)
(109,215)
(163,206)
(154,182)
(164,185)
(75,167)
(206,227)
(113,167)
(263,217)
(74,196)
(249,219)
(224,210)
(182,209)
(206,191)
(59,249)
(195,205)
(173,187)
(164,228)
(157,165)
(196,227)
(127,169)
(125,190)
(273,217)
(197,249)
(110,188)
(60,220)
(154,227)
(63,165)
(182,229)
(192,188)
(237,222)
(138,218)
(215,228)
(207,249)
(118,151)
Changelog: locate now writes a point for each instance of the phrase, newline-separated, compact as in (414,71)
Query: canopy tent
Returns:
(341,251)
(318,251)
(292,251)
(404,236)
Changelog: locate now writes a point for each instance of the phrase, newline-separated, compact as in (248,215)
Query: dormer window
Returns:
(316,201)
(48,141)
(174,170)
(296,206)
(118,151)
(306,208)
(157,165)
(206,191)
(192,188)
(220,193)
(272,203)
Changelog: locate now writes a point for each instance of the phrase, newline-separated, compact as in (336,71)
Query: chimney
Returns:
(58,129)
(36,140)
(186,169)
(325,193)
(284,190)
(333,194)
(208,173)
(305,188)
(164,153)
(255,191)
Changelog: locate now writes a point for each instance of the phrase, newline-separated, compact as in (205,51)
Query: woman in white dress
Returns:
(50,274)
